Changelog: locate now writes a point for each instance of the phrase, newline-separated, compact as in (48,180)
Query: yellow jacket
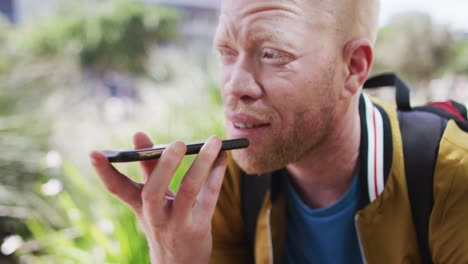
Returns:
(384,224)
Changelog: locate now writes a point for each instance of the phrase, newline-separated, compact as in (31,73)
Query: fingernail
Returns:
(215,140)
(92,158)
(179,147)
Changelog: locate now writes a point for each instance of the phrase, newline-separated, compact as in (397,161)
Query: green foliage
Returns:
(461,58)
(5,59)
(23,125)
(117,39)
(98,228)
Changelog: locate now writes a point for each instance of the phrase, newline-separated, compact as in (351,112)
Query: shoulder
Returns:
(448,219)
(456,139)
(451,169)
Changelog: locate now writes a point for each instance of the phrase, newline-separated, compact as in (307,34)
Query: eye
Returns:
(275,57)
(270,54)
(226,55)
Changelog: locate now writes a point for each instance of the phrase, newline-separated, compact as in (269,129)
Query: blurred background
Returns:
(82,75)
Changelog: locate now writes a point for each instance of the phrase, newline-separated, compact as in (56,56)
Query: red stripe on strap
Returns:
(449,107)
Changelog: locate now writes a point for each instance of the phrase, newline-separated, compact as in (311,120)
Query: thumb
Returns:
(118,184)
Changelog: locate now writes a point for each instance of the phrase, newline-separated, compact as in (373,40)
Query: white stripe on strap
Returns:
(370,148)
(375,177)
(380,152)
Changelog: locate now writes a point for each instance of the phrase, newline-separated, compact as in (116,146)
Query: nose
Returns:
(240,81)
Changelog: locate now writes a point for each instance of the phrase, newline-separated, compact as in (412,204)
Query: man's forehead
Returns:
(273,27)
(229,31)
(314,10)
(240,4)
(243,7)
(275,14)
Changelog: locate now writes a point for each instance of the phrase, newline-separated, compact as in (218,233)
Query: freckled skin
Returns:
(294,91)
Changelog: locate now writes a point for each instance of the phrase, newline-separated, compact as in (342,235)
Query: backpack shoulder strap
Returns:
(421,133)
(402,95)
(253,190)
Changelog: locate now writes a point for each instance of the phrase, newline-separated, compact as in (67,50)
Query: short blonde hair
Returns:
(358,18)
(353,19)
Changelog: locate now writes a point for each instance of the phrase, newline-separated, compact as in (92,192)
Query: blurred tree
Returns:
(22,142)
(461,58)
(5,59)
(416,48)
(117,39)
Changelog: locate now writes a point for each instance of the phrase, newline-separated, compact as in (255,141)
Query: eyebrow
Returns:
(274,36)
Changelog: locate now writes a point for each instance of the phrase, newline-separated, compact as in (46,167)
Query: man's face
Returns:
(278,81)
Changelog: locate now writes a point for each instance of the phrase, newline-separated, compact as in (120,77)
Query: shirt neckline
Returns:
(296,203)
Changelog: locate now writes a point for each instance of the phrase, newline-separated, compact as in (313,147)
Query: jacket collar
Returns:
(376,149)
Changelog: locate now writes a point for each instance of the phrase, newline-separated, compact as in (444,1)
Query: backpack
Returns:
(420,126)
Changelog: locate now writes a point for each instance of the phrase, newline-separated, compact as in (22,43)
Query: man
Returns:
(291,77)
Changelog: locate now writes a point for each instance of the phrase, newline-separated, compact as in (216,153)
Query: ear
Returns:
(358,55)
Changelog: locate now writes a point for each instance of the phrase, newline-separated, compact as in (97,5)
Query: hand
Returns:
(177,226)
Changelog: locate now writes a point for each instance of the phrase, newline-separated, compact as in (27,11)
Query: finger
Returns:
(141,141)
(117,183)
(194,178)
(155,190)
(209,193)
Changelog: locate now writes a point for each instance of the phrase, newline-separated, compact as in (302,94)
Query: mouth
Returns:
(248,125)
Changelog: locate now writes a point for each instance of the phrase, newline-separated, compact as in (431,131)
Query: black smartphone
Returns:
(155,153)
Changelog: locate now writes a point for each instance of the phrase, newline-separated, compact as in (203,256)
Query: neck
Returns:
(325,174)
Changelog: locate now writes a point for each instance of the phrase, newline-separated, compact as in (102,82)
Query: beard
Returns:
(309,130)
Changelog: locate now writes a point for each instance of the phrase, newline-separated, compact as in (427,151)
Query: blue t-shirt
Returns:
(324,235)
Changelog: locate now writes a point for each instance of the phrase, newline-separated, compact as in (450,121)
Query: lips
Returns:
(245,121)
(254,127)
